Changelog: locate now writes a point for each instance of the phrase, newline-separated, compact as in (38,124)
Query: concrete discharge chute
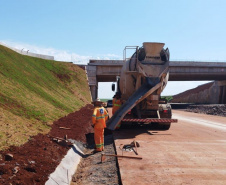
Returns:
(143,78)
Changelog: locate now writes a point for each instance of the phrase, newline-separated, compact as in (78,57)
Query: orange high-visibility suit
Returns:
(99,119)
(116,105)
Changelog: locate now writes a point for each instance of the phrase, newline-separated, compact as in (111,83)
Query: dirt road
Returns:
(193,151)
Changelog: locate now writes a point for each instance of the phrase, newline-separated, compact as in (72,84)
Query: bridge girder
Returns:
(108,70)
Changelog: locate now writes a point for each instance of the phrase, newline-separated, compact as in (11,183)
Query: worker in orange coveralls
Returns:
(99,119)
(117,102)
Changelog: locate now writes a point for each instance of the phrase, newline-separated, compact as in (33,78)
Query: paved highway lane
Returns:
(193,151)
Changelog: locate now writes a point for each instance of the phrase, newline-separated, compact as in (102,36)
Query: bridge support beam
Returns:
(223,100)
(222,93)
(108,70)
(94,91)
(92,79)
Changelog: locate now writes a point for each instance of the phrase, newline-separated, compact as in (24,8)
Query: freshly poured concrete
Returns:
(66,169)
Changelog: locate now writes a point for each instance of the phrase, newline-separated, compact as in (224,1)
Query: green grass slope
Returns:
(35,92)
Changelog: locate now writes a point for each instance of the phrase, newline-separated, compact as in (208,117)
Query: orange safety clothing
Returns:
(116,105)
(99,119)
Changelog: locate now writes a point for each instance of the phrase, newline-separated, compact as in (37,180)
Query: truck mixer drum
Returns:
(143,78)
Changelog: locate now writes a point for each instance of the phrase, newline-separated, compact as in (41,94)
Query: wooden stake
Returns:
(65,128)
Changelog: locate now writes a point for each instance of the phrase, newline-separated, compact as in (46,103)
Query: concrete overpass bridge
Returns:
(108,70)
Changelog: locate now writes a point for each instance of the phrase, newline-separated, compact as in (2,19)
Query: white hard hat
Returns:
(97,101)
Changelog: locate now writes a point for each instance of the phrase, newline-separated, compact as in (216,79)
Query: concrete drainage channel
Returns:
(67,167)
(91,170)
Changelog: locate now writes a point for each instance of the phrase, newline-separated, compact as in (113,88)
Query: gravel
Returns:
(214,109)
(92,171)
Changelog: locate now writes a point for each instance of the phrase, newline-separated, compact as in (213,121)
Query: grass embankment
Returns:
(34,93)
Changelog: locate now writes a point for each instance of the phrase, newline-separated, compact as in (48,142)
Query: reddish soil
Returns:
(38,158)
(191,152)
(193,91)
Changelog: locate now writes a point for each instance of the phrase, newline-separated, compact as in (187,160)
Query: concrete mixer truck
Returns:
(143,77)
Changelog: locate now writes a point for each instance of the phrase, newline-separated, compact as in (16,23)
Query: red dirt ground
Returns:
(39,157)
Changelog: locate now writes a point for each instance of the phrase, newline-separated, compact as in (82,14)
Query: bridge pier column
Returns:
(92,79)
(222,93)
(94,90)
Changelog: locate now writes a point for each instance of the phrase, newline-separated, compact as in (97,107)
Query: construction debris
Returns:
(8,157)
(57,138)
(130,147)
(61,141)
(65,128)
(132,144)
(16,169)
(44,151)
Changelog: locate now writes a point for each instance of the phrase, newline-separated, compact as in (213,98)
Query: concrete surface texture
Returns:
(191,152)
(197,71)
(67,167)
(108,70)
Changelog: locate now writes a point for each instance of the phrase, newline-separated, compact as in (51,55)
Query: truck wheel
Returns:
(165,127)
(162,126)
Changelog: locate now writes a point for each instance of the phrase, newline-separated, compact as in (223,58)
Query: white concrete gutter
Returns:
(66,169)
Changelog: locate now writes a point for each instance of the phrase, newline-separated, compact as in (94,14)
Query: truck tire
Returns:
(165,126)
(161,126)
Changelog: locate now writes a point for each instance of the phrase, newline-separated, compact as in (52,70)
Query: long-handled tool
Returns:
(123,156)
(135,143)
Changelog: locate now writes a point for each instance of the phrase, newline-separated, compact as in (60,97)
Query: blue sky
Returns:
(79,30)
